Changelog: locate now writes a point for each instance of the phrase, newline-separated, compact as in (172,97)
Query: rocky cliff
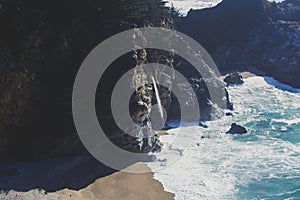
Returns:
(250,35)
(42,45)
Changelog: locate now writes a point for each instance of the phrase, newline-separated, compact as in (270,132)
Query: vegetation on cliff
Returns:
(42,44)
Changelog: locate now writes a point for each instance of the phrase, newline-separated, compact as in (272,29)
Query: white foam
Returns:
(199,163)
(280,85)
(288,121)
(186,5)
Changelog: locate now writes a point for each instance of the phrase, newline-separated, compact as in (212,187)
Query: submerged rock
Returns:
(237,129)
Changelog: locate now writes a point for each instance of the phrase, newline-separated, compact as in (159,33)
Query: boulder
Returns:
(234,79)
(229,114)
(237,129)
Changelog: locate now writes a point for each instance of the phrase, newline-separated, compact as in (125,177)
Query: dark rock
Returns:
(242,34)
(229,114)
(227,23)
(229,103)
(234,79)
(210,108)
(42,45)
(203,125)
(237,129)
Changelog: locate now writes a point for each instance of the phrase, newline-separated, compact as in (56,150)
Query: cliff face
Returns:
(247,34)
(42,45)
(228,22)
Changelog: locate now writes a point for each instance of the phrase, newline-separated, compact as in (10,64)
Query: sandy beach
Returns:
(121,185)
(80,178)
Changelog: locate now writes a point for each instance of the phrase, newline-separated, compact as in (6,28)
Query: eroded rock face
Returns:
(42,45)
(178,93)
(243,35)
(208,110)
(211,94)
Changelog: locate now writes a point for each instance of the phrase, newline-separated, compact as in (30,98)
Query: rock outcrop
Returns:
(234,79)
(42,45)
(237,129)
(249,34)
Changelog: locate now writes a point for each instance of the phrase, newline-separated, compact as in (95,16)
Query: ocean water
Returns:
(205,163)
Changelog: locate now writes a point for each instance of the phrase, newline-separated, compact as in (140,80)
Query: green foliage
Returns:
(174,12)
(144,12)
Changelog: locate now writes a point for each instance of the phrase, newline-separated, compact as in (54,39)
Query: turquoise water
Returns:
(273,118)
(262,164)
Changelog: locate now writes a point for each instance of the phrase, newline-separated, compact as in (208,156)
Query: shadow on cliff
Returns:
(242,34)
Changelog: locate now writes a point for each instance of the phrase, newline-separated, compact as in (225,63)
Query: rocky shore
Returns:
(42,48)
(243,34)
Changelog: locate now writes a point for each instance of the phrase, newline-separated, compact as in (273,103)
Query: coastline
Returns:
(78,178)
(119,185)
(244,74)
(269,80)
(217,176)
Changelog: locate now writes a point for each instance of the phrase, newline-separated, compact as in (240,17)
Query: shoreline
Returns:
(118,185)
(78,178)
(244,74)
(122,185)
(268,79)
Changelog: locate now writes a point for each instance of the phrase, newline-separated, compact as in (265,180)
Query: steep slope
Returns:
(42,45)
(247,34)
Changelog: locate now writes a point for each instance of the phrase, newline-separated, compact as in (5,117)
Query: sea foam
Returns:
(198,163)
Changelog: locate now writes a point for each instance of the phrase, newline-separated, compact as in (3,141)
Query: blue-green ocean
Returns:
(262,164)
(273,117)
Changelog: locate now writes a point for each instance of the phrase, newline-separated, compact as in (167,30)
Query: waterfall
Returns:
(160,109)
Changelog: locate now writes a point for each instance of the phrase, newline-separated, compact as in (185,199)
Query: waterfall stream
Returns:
(160,109)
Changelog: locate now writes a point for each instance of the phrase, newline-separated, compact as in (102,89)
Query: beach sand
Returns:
(80,173)
(161,133)
(121,185)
